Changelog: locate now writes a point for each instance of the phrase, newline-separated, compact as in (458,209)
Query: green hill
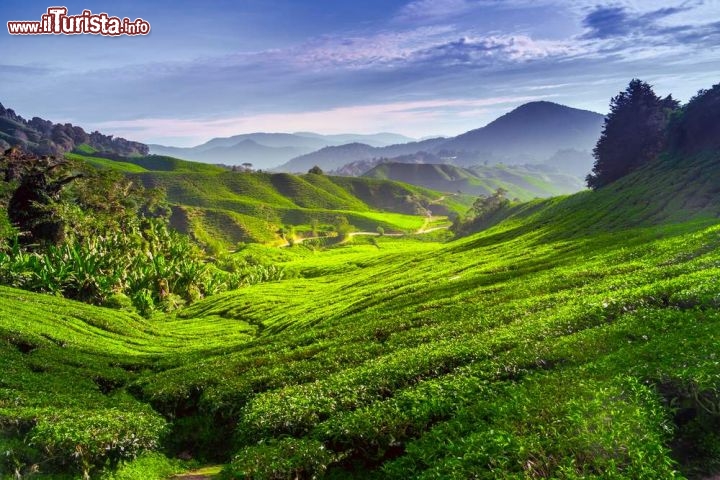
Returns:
(577,338)
(274,200)
(523,182)
(220,207)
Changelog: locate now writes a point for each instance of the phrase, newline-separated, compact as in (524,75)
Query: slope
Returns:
(220,208)
(523,182)
(575,339)
(531,133)
(254,206)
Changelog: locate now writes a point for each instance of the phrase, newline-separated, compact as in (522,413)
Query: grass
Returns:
(220,208)
(103,163)
(575,339)
(236,207)
(521,182)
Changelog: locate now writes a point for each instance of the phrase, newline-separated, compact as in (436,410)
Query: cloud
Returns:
(385,48)
(619,21)
(443,45)
(431,10)
(427,50)
(21,70)
(412,116)
(495,50)
(604,22)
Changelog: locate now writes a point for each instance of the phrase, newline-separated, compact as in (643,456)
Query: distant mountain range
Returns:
(532,133)
(335,157)
(556,139)
(268,150)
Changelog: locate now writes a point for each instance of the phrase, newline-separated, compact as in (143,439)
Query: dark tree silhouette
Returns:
(697,126)
(633,134)
(40,181)
(316,170)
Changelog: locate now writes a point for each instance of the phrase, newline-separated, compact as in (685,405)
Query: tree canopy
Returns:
(633,133)
(696,127)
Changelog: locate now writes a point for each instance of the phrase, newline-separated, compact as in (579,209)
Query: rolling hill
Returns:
(577,338)
(572,337)
(220,208)
(251,207)
(522,182)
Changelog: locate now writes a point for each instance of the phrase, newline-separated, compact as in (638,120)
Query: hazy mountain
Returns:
(374,139)
(573,162)
(333,158)
(244,151)
(329,158)
(276,140)
(359,167)
(522,181)
(267,150)
(532,133)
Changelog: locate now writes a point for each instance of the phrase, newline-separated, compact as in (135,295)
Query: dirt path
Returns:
(419,231)
(205,473)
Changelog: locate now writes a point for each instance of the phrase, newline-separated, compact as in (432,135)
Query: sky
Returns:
(416,67)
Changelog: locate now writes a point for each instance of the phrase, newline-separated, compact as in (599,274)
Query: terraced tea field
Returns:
(575,339)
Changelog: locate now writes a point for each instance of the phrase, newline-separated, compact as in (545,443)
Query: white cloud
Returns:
(414,117)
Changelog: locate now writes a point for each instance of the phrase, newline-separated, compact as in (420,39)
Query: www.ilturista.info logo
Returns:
(57,22)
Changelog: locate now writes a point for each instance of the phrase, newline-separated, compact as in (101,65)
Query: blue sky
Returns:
(417,67)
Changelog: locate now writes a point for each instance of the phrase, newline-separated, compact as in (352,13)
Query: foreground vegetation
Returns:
(563,342)
(573,337)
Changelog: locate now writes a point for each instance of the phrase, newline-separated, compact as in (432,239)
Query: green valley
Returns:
(220,208)
(574,338)
(569,337)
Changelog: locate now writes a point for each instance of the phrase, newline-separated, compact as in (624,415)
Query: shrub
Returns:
(289,458)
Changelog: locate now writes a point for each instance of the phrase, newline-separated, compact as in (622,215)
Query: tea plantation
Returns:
(220,208)
(576,338)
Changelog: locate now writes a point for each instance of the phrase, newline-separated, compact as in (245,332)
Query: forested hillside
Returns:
(43,137)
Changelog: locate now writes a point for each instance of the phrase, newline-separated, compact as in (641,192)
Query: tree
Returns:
(482,212)
(633,133)
(39,183)
(316,170)
(314,226)
(485,205)
(696,127)
(343,227)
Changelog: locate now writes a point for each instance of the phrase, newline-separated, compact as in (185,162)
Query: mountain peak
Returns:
(545,106)
(535,130)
